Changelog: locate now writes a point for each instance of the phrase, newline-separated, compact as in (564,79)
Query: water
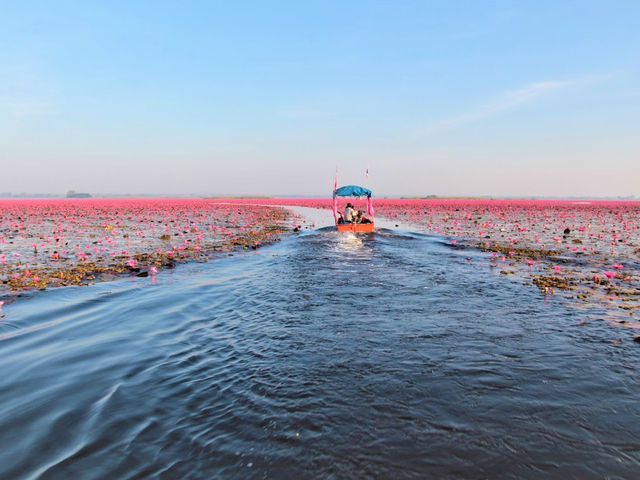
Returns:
(325,356)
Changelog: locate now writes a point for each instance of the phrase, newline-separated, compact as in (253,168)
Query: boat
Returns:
(367,224)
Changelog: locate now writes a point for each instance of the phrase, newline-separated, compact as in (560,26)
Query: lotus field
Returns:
(584,250)
(53,243)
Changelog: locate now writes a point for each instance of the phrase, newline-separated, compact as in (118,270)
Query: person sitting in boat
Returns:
(349,214)
(340,218)
(361,218)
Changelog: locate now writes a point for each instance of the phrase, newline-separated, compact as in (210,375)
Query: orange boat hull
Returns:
(355,227)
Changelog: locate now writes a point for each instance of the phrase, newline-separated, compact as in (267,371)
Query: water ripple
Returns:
(327,356)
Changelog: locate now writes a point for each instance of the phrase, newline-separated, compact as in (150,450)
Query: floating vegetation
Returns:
(54,243)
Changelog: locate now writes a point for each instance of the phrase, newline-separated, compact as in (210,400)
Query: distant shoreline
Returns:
(24,196)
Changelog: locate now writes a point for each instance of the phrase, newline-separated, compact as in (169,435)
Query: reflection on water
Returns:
(383,355)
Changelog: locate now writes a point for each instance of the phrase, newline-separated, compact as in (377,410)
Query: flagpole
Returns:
(335,198)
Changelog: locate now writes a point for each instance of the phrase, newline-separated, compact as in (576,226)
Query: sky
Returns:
(466,98)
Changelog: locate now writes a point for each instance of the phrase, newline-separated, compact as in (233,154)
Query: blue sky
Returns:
(500,98)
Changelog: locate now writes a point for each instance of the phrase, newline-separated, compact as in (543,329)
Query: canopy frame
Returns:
(351,191)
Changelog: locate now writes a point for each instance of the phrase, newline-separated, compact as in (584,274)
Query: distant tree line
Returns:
(74,194)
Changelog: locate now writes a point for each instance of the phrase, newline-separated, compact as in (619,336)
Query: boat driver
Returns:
(349,213)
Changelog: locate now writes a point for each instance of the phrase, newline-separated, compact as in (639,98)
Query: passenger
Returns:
(349,213)
(358,217)
(340,218)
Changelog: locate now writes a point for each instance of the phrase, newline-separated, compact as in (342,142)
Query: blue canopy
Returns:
(352,191)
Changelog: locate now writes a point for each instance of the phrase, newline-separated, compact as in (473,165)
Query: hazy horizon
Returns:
(103,195)
(500,99)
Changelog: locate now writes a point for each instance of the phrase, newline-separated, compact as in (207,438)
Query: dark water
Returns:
(325,356)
